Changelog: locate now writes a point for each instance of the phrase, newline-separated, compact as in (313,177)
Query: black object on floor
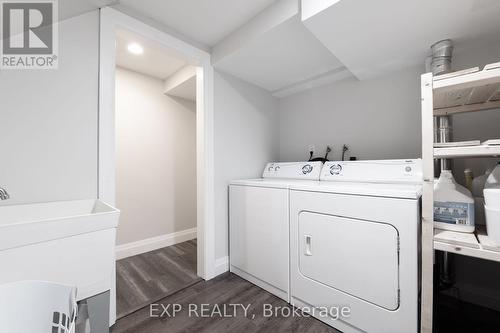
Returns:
(149,277)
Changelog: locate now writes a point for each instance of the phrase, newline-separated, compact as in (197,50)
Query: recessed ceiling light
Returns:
(135,48)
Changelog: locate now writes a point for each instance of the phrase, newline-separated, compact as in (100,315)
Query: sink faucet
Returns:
(3,194)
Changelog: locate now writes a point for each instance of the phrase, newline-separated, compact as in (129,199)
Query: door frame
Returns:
(110,21)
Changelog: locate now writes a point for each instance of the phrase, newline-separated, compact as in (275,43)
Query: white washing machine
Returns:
(259,224)
(354,243)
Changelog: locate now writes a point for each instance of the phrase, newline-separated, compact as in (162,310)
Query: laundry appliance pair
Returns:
(335,235)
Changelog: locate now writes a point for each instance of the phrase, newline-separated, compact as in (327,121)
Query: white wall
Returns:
(156,159)
(245,140)
(48,121)
(378,118)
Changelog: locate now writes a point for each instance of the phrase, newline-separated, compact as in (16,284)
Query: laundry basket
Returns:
(37,307)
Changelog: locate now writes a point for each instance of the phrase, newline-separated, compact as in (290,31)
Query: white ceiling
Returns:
(376,37)
(206,21)
(365,38)
(156,60)
(285,55)
(70,8)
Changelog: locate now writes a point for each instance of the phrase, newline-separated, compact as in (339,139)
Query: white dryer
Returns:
(259,224)
(354,243)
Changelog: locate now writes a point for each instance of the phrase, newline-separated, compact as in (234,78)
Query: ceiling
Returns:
(265,42)
(388,35)
(70,8)
(205,21)
(156,61)
(283,56)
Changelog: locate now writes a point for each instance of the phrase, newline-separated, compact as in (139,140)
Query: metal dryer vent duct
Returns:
(439,62)
(442,52)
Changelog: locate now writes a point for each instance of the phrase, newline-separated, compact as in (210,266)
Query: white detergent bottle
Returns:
(478,184)
(477,192)
(494,177)
(453,205)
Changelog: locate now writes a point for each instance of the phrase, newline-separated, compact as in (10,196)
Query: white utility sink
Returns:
(22,225)
(67,242)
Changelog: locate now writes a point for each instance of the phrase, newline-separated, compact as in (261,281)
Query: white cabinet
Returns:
(259,236)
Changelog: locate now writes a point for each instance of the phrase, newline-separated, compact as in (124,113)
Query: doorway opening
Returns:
(155,131)
(117,147)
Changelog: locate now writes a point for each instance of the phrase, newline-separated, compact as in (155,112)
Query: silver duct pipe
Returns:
(445,136)
(440,63)
(442,52)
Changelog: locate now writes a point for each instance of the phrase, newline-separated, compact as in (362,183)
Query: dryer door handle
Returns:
(308,245)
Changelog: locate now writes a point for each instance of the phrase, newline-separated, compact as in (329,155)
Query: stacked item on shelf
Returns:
(457,144)
(470,143)
(472,148)
(491,142)
(477,192)
(453,205)
(492,205)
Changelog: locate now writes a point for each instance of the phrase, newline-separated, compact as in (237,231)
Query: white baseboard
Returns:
(153,243)
(221,265)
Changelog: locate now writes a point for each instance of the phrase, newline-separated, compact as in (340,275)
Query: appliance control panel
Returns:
(293,170)
(376,171)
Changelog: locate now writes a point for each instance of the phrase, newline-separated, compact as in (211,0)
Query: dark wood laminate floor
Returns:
(149,277)
(455,316)
(226,289)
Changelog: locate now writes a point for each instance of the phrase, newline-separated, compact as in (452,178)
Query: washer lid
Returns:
(405,191)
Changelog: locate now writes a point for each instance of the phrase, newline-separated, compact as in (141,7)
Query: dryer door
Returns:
(356,257)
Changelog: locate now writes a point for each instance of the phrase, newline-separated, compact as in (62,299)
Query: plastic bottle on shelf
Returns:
(477,192)
(468,179)
(493,179)
(478,184)
(453,205)
(492,205)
